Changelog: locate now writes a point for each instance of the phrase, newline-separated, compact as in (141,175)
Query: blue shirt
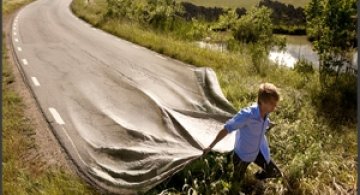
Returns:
(250,135)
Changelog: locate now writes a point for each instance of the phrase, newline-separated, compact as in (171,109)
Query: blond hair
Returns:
(268,91)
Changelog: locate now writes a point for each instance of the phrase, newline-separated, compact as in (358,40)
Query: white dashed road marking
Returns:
(19,49)
(35,81)
(25,62)
(56,116)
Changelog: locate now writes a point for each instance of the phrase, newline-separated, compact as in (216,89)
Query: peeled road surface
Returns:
(128,117)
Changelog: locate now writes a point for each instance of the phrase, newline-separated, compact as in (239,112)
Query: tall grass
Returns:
(21,175)
(11,5)
(316,156)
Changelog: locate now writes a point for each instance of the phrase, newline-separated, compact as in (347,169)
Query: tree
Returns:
(330,23)
(255,26)
(226,21)
(256,30)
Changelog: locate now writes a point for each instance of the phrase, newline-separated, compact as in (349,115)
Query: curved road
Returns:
(128,117)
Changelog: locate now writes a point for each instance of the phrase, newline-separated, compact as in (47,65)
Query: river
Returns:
(297,47)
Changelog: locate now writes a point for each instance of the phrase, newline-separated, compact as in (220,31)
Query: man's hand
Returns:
(206,151)
(222,133)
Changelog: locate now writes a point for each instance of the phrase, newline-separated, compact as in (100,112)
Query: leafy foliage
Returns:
(332,26)
(314,154)
(207,175)
(227,21)
(159,14)
(256,30)
(255,26)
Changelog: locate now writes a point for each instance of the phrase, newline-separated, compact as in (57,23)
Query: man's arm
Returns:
(235,123)
(222,133)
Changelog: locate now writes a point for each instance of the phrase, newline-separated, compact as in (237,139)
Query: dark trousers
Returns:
(269,170)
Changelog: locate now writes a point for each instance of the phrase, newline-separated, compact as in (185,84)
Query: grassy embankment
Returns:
(315,149)
(21,176)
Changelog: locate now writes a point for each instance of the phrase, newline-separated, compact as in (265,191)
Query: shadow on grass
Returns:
(337,103)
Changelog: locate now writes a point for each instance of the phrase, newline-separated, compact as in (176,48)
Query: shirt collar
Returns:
(257,112)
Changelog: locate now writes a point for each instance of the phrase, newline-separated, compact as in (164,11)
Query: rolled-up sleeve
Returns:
(238,121)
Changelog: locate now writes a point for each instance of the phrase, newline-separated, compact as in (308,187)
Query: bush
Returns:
(304,67)
(338,102)
(254,27)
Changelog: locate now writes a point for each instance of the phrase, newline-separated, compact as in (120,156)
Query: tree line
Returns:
(286,18)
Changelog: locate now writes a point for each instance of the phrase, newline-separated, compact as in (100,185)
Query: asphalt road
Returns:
(128,117)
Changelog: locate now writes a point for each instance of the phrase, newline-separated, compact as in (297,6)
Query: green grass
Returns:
(309,149)
(243,3)
(11,5)
(21,176)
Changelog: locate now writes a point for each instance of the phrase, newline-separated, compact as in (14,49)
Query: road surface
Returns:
(128,117)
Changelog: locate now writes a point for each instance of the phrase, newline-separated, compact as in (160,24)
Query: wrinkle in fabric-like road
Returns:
(133,139)
(131,119)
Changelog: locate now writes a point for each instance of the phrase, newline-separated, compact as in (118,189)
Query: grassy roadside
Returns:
(307,147)
(10,6)
(21,176)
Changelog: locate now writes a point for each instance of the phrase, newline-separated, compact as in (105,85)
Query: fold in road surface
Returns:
(128,117)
